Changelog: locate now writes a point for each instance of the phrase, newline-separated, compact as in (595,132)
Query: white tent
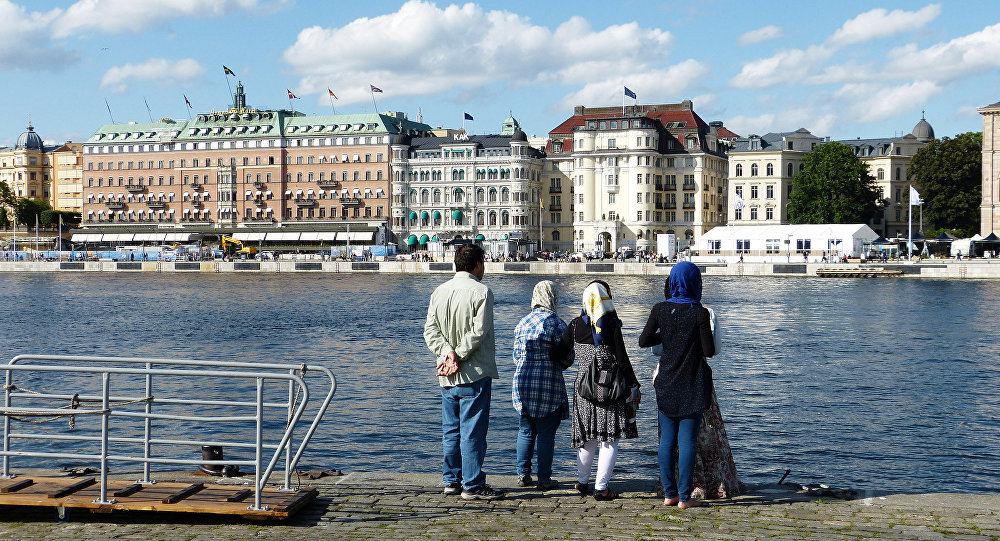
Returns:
(771,242)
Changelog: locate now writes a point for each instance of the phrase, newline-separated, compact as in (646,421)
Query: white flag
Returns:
(915,197)
(739,201)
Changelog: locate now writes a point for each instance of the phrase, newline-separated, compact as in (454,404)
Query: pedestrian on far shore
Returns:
(539,387)
(459,331)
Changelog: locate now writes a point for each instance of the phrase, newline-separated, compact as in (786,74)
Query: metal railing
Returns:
(151,390)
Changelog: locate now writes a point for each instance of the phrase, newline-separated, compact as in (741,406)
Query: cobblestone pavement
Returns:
(404,506)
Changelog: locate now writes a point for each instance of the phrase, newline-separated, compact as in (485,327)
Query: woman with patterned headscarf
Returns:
(596,337)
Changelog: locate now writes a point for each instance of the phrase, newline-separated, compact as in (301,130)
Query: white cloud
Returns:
(154,69)
(761,34)
(946,61)
(783,67)
(818,120)
(464,46)
(24,40)
(649,86)
(874,102)
(879,23)
(120,16)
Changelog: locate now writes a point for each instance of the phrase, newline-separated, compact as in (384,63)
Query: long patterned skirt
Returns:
(715,470)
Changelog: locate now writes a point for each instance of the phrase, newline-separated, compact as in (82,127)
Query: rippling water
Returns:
(884,384)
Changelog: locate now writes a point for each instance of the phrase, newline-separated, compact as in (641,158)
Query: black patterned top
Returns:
(683,381)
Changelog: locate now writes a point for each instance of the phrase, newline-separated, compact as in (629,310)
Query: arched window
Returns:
(481,218)
(480,195)
(739,169)
(801,167)
(437,196)
(425,197)
(504,219)
(504,195)
(639,235)
(753,170)
(457,195)
(493,219)
(770,169)
(493,195)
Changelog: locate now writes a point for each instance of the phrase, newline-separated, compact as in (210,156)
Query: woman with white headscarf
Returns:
(539,388)
(596,337)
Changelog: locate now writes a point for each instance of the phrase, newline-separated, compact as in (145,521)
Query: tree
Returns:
(26,209)
(948,173)
(7,202)
(835,187)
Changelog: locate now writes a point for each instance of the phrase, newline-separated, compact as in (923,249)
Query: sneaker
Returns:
(547,485)
(453,489)
(484,492)
(524,481)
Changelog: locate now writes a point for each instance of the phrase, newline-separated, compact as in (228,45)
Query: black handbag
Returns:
(603,385)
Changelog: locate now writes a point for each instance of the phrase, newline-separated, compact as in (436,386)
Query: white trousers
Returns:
(605,462)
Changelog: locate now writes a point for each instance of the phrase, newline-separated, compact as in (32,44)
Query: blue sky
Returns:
(841,69)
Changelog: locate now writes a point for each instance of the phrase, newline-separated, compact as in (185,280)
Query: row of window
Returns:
(754,191)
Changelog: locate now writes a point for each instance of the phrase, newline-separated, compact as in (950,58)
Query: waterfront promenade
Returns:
(931,268)
(385,505)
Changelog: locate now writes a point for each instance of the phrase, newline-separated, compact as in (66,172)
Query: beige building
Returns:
(761,171)
(245,169)
(67,177)
(27,168)
(990,207)
(622,177)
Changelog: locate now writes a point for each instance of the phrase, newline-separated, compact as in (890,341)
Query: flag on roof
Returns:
(290,95)
(228,71)
(332,95)
(629,93)
(375,88)
(187,102)
(468,116)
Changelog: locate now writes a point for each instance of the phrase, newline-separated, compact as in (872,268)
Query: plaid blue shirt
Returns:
(539,387)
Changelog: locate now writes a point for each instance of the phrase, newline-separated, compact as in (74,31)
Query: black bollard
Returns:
(211,452)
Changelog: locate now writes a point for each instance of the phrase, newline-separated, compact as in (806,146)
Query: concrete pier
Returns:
(384,505)
(988,269)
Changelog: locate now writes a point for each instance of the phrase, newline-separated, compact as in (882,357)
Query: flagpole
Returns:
(331,104)
(373,101)
(909,228)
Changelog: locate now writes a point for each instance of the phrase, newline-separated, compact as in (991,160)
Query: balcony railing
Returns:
(327,183)
(259,201)
(689,205)
(555,189)
(555,207)
(116,204)
(689,186)
(135,188)
(197,185)
(303,202)
(258,184)
(670,187)
(197,202)
(156,204)
(350,201)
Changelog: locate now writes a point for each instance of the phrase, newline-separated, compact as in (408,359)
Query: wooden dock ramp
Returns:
(84,493)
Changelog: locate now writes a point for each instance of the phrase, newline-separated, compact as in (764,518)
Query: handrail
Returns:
(186,369)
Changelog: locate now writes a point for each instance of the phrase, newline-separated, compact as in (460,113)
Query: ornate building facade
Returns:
(483,187)
(624,176)
(243,168)
(989,209)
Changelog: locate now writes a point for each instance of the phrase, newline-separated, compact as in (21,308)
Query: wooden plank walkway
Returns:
(162,496)
(857,273)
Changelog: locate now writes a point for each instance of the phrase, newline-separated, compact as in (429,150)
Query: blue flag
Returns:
(228,71)
(629,93)
(468,116)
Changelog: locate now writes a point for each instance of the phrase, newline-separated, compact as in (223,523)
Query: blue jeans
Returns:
(465,418)
(540,432)
(678,442)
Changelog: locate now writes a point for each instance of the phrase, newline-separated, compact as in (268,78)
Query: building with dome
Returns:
(50,173)
(460,186)
(762,169)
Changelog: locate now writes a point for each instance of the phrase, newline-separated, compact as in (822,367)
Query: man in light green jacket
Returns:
(459,331)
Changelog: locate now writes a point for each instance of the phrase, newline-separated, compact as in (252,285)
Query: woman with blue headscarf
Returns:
(596,337)
(683,380)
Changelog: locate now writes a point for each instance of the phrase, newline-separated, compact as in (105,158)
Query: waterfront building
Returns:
(245,169)
(460,186)
(795,243)
(27,167)
(989,210)
(627,174)
(762,170)
(67,177)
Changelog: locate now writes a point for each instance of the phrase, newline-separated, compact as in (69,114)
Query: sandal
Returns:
(605,495)
(582,488)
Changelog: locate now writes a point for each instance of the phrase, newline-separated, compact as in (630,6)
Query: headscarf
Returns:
(598,311)
(684,284)
(545,295)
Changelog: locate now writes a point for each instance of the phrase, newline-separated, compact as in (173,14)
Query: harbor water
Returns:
(881,384)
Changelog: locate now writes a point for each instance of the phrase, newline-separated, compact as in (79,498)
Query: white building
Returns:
(486,187)
(628,175)
(794,243)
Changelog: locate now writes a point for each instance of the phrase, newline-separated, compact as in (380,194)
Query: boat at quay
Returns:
(936,269)
(867,384)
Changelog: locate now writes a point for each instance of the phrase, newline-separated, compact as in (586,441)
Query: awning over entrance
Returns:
(457,215)
(411,240)
(480,237)
(413,215)
(437,214)
(424,239)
